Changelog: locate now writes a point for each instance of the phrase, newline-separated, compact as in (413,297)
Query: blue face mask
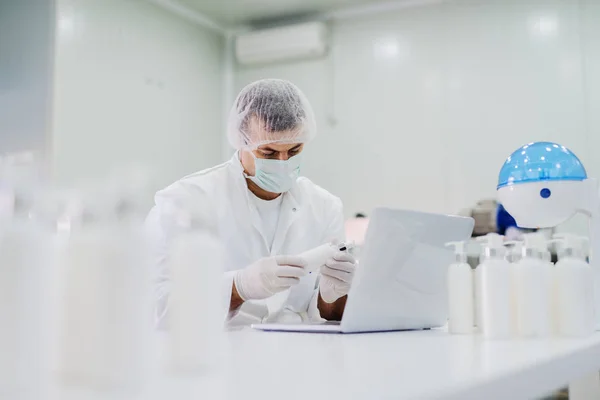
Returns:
(276,176)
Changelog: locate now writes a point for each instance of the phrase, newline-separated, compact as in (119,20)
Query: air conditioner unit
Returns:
(293,42)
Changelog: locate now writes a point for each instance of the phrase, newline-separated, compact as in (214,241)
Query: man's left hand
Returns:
(336,276)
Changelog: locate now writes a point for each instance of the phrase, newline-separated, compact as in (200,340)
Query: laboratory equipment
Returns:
(195,317)
(319,255)
(495,289)
(543,184)
(574,288)
(461,294)
(532,281)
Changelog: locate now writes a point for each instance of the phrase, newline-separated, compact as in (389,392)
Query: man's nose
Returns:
(283,156)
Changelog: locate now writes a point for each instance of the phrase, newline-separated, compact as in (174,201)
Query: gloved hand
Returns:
(336,276)
(268,276)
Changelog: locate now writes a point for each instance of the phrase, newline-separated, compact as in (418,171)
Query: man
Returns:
(265,213)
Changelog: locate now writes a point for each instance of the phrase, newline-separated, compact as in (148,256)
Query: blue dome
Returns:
(541,161)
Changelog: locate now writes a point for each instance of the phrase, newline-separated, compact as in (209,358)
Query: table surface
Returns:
(398,365)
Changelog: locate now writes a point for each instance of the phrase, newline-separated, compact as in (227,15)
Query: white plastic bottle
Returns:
(513,256)
(495,289)
(194,316)
(107,302)
(574,285)
(533,289)
(477,295)
(477,277)
(26,255)
(461,295)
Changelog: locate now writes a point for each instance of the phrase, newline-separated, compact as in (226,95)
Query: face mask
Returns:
(276,176)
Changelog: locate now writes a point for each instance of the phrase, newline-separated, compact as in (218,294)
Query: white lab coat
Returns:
(309,217)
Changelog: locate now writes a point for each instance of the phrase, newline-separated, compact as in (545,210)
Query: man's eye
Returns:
(267,153)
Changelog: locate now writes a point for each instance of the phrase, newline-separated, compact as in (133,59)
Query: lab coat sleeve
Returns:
(159,249)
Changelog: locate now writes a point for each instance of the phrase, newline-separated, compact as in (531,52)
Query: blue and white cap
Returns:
(541,161)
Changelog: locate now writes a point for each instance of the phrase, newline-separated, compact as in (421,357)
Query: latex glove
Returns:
(268,276)
(336,276)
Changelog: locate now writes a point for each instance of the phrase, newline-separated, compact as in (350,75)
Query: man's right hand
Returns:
(268,276)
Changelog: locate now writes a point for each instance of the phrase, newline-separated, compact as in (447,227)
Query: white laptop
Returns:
(400,283)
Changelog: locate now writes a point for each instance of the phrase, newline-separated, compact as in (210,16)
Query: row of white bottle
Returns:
(105,298)
(76,303)
(528,297)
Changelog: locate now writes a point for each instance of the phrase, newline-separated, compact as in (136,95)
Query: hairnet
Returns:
(270,111)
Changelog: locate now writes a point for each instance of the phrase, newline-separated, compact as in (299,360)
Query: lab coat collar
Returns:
(240,179)
(289,212)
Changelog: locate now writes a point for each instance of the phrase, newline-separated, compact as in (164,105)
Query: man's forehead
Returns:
(279,146)
(259,132)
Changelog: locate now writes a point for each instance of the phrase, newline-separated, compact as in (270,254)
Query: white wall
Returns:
(590,34)
(26,36)
(134,84)
(419,107)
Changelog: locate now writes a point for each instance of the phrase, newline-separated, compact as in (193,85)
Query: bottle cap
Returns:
(493,246)
(572,245)
(459,250)
(535,245)
(514,253)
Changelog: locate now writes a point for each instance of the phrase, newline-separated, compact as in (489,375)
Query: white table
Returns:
(402,365)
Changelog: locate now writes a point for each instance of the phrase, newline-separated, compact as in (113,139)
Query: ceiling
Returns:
(233,12)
